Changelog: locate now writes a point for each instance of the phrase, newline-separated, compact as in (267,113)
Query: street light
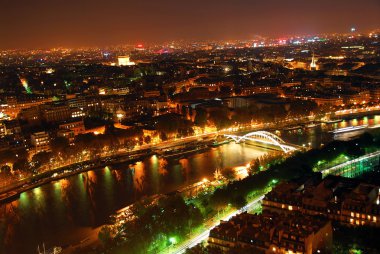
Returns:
(172,240)
(119,116)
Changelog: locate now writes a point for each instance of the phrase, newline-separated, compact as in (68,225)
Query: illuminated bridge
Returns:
(263,137)
(355,167)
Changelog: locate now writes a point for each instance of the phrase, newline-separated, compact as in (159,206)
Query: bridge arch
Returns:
(263,137)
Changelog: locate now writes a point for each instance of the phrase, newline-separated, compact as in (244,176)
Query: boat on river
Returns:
(349,129)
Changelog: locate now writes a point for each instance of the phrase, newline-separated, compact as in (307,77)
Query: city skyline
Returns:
(45,24)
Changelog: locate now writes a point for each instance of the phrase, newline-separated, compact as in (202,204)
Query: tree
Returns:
(218,199)
(200,117)
(163,136)
(10,156)
(171,91)
(5,171)
(147,139)
(190,111)
(105,236)
(229,173)
(41,158)
(238,201)
(7,156)
(59,145)
(173,124)
(183,110)
(21,165)
(220,118)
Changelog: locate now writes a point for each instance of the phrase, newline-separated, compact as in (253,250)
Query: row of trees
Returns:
(155,227)
(222,117)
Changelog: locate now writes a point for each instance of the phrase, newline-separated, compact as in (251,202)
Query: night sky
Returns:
(74,23)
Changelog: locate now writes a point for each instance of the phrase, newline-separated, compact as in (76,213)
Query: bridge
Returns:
(355,167)
(263,137)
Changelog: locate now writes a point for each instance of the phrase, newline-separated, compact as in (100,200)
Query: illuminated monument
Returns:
(124,61)
(313,64)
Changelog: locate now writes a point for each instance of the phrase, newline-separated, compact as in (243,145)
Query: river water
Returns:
(65,211)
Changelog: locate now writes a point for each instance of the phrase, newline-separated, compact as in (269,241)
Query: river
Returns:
(65,211)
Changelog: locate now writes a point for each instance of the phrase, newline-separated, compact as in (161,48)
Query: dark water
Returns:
(64,212)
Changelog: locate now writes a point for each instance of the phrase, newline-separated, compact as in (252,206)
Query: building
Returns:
(271,232)
(3,130)
(152,94)
(68,134)
(340,199)
(112,106)
(12,127)
(30,115)
(124,61)
(332,101)
(76,126)
(78,102)
(40,142)
(55,113)
(13,105)
(261,88)
(239,102)
(361,97)
(375,94)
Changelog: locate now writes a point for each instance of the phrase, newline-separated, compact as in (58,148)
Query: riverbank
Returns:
(77,168)
(63,172)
